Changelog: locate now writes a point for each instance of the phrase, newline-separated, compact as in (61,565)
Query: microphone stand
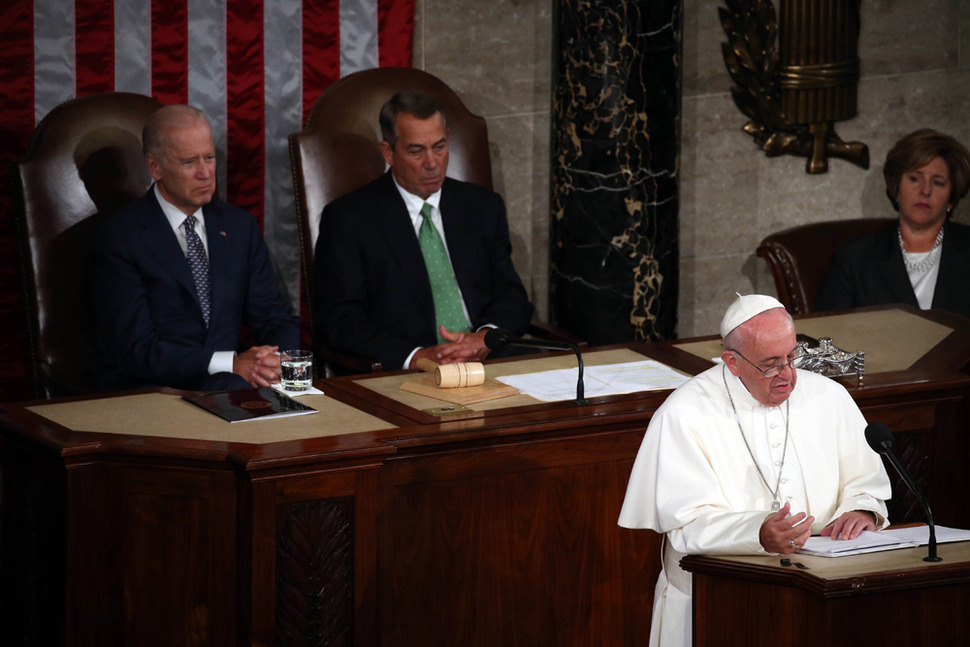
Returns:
(498,338)
(880,439)
(931,556)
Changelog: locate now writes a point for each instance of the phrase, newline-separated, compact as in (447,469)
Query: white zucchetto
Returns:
(745,307)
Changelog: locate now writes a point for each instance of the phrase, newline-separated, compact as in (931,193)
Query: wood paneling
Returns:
(515,545)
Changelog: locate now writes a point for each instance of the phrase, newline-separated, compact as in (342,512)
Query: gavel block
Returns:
(460,383)
(453,376)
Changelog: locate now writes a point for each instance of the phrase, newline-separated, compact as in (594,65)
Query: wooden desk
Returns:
(888,598)
(380,525)
(498,528)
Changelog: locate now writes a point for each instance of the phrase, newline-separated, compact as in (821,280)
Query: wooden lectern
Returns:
(886,598)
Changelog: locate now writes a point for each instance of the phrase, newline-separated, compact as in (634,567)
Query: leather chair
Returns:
(799,257)
(84,159)
(339,151)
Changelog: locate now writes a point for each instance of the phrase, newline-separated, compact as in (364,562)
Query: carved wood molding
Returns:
(315,573)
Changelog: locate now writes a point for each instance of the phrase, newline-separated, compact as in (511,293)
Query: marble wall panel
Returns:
(904,37)
(521,175)
(963,58)
(703,63)
(719,178)
(708,286)
(615,134)
(497,57)
(497,52)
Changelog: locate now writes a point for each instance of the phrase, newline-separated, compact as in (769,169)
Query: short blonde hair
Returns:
(916,150)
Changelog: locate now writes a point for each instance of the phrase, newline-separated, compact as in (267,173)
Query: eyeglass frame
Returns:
(764,371)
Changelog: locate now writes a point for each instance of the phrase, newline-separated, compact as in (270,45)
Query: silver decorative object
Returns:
(827,359)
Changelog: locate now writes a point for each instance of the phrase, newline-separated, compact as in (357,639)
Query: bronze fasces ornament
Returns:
(794,92)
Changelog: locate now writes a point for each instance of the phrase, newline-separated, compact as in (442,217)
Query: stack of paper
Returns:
(870,542)
(611,379)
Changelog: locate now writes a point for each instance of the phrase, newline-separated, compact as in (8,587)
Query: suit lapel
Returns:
(450,218)
(458,244)
(395,225)
(159,238)
(219,243)
(455,212)
(891,270)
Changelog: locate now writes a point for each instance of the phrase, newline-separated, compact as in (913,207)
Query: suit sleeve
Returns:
(348,310)
(266,310)
(835,291)
(502,300)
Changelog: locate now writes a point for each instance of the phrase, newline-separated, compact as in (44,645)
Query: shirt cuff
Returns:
(221,362)
(407,360)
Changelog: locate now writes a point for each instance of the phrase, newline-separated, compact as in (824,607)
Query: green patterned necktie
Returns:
(447,300)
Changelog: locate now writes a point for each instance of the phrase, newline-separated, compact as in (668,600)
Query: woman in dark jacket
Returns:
(924,259)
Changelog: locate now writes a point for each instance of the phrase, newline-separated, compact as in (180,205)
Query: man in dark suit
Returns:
(174,276)
(374,293)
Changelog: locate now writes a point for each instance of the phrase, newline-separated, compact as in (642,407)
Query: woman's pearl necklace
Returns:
(928,261)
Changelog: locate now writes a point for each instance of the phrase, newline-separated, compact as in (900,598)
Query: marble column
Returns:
(615,137)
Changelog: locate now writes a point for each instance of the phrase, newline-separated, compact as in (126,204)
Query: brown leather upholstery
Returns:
(339,152)
(800,256)
(83,159)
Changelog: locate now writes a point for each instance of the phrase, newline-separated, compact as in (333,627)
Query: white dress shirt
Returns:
(413,203)
(221,361)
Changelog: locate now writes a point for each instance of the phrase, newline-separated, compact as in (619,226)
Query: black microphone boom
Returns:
(497,339)
(881,440)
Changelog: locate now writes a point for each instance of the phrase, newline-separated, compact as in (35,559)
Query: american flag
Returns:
(255,67)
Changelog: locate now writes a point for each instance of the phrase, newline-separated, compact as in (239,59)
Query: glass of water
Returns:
(296,370)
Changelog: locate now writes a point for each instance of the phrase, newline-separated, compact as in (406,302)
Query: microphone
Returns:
(497,339)
(881,440)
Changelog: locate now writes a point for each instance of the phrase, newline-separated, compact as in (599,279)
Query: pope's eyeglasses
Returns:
(771,371)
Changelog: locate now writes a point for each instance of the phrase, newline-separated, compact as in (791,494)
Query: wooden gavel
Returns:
(451,376)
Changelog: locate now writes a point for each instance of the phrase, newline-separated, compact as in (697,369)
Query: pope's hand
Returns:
(783,532)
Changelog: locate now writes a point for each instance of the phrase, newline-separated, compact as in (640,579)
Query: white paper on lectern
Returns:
(870,542)
(610,379)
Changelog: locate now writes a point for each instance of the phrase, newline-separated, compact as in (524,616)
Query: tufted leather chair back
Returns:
(338,150)
(83,160)
(800,256)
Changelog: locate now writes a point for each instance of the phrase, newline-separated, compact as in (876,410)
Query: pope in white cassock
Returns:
(740,460)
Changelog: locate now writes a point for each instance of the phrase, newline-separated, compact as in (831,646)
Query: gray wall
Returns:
(915,73)
(497,56)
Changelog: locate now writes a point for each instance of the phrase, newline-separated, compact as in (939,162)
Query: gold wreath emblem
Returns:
(751,57)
